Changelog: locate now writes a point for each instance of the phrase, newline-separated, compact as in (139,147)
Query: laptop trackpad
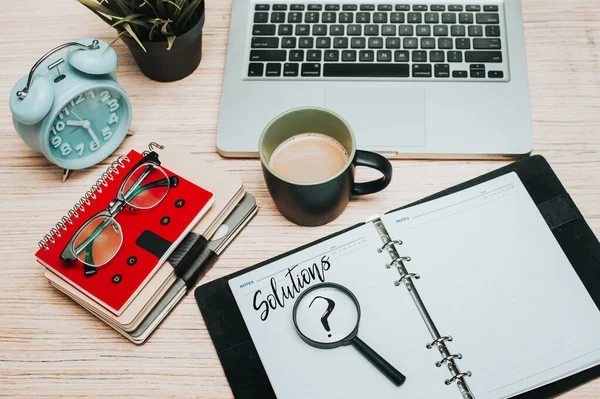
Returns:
(381,116)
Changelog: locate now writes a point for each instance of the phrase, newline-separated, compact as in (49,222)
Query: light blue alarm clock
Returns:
(73,112)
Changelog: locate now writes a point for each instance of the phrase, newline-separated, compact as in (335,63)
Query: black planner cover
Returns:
(238,355)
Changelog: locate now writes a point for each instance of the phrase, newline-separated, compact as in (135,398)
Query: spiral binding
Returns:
(153,146)
(103,181)
(439,342)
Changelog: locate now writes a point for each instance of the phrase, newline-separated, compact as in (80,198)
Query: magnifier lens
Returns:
(327,315)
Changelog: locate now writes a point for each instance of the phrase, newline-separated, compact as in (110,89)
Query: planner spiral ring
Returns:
(439,341)
(459,377)
(86,200)
(388,244)
(409,275)
(447,358)
(395,261)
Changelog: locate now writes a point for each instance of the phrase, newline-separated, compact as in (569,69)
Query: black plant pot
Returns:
(164,65)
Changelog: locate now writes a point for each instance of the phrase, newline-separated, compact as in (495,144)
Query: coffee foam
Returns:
(309,158)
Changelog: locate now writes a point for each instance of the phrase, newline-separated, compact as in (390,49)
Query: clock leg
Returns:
(65,174)
(130,132)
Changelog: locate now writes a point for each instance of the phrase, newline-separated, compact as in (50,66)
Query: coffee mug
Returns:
(315,203)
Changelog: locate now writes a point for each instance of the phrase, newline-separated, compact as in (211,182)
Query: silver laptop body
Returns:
(411,82)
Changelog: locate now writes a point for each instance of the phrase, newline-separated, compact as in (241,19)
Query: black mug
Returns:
(318,203)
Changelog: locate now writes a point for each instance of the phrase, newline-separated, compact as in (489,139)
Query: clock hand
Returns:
(79,123)
(89,129)
(77,116)
(85,124)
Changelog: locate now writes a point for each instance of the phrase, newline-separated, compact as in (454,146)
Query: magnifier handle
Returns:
(390,371)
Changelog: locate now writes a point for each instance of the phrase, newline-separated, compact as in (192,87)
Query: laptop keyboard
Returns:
(392,41)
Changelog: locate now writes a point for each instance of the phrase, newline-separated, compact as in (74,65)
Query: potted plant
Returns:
(164,36)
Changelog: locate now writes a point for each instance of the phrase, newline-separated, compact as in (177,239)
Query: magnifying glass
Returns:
(327,315)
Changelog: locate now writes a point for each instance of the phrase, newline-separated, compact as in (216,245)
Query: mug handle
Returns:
(377,162)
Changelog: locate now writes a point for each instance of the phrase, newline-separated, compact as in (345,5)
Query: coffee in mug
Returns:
(309,158)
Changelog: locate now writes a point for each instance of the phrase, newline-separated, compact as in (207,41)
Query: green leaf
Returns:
(147,19)
(133,35)
(165,28)
(171,2)
(186,14)
(123,6)
(160,21)
(96,7)
(160,7)
(170,41)
(152,31)
(146,2)
(114,41)
(122,20)
(103,14)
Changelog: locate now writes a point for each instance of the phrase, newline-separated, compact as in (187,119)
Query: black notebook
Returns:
(489,289)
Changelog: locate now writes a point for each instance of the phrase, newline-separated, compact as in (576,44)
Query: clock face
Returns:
(89,126)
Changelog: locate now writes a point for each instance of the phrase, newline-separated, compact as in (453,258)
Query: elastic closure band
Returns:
(559,211)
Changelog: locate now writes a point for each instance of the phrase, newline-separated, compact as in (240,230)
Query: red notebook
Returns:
(149,236)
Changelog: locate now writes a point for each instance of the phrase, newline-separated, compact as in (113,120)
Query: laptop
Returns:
(418,79)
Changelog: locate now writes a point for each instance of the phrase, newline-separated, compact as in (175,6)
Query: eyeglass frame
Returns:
(114,208)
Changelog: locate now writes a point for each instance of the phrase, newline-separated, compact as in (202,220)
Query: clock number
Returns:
(53,130)
(113,104)
(113,118)
(94,145)
(80,148)
(60,126)
(56,141)
(80,99)
(105,96)
(65,149)
(91,94)
(106,133)
(65,110)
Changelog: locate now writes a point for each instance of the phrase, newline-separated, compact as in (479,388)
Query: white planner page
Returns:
(389,324)
(494,277)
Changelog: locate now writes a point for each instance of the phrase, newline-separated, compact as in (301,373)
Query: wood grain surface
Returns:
(50,347)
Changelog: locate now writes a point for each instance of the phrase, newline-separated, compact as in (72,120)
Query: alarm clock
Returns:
(73,112)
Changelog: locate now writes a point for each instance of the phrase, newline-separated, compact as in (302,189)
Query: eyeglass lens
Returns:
(327,315)
(98,242)
(146,186)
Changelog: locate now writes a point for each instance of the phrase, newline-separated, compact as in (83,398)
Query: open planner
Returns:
(487,290)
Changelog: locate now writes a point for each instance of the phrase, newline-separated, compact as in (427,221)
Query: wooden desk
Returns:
(50,347)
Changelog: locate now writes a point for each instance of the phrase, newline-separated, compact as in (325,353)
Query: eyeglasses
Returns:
(100,238)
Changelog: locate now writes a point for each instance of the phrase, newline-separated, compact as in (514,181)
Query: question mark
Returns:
(325,317)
